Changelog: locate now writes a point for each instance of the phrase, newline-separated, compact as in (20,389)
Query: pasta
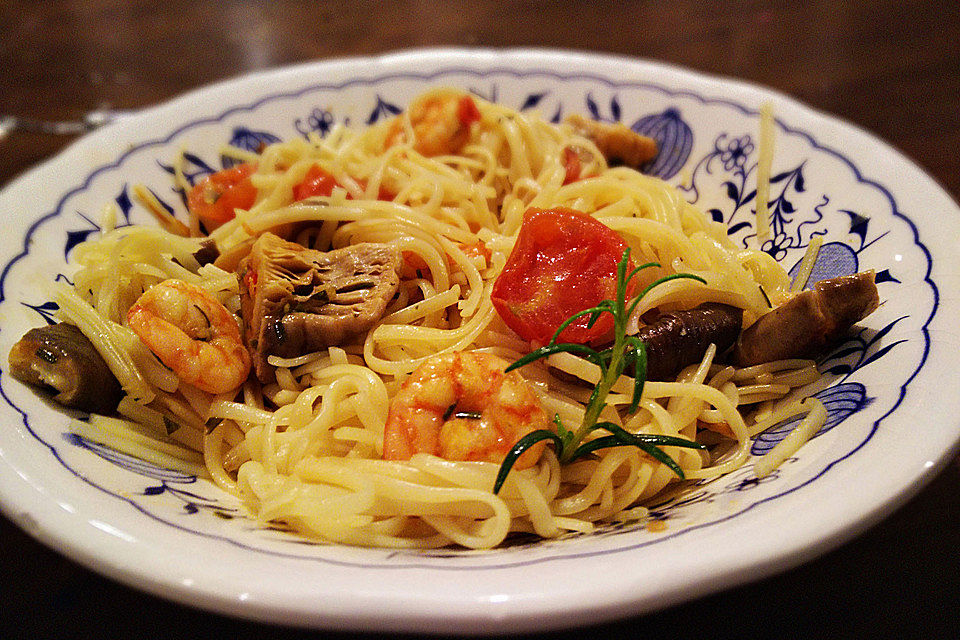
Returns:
(447,187)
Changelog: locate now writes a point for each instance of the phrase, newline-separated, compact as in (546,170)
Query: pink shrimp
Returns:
(462,406)
(193,334)
(441,122)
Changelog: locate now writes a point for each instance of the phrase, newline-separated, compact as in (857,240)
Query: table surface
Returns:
(890,67)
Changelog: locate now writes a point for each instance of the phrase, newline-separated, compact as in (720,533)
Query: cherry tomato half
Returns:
(316,182)
(320,182)
(571,165)
(214,198)
(564,261)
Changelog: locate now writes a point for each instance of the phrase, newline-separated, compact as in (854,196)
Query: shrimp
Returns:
(441,122)
(193,334)
(462,406)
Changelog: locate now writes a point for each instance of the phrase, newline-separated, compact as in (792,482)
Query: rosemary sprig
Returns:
(626,351)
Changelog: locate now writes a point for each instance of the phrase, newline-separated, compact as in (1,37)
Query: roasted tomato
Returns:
(563,262)
(476,250)
(572,165)
(215,198)
(320,182)
(316,182)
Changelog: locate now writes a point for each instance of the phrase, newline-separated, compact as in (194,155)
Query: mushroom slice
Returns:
(810,322)
(619,144)
(61,358)
(678,339)
(296,300)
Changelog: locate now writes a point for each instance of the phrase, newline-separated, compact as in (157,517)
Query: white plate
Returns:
(173,536)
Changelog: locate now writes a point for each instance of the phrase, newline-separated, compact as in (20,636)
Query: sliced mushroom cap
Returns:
(296,300)
(61,358)
(619,144)
(809,323)
(676,340)
(207,253)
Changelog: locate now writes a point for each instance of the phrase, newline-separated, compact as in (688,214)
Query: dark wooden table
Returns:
(890,67)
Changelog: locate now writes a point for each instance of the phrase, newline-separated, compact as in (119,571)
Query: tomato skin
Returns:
(214,198)
(383,193)
(316,182)
(320,182)
(467,111)
(571,165)
(476,250)
(564,261)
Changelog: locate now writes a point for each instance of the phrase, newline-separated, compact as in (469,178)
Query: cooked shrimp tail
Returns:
(462,406)
(441,122)
(193,334)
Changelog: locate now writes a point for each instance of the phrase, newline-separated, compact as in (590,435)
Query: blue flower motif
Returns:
(736,154)
(751,481)
(319,121)
(777,246)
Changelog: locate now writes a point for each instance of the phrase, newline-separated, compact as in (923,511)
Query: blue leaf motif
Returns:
(885,276)
(248,140)
(882,332)
(841,401)
(532,101)
(881,352)
(843,353)
(76,237)
(488,95)
(124,203)
(153,491)
(557,115)
(615,108)
(383,109)
(46,310)
(858,224)
(592,106)
(732,192)
(839,370)
(198,162)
